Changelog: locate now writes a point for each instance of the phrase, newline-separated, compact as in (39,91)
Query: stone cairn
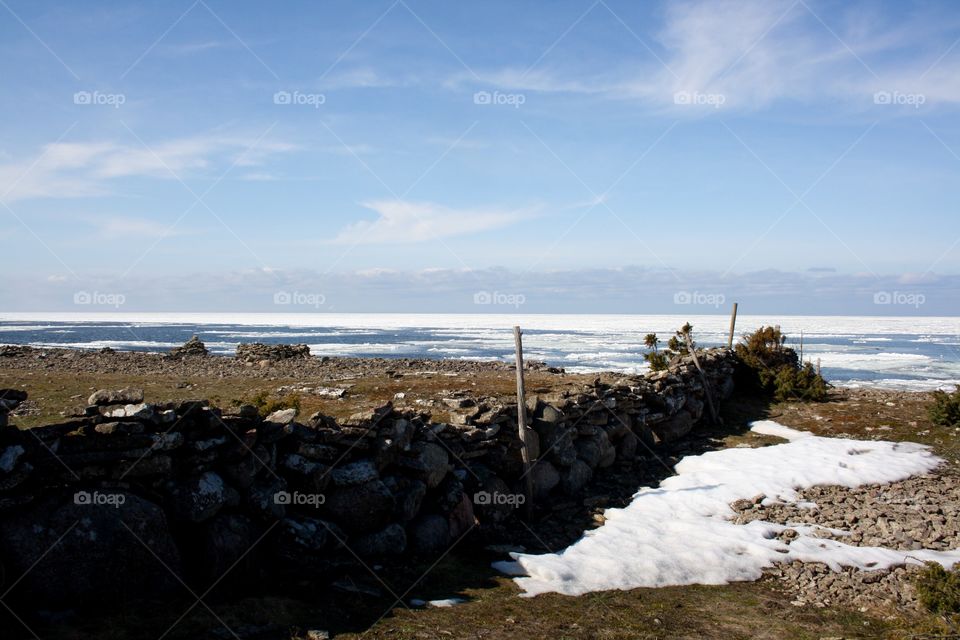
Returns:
(192,347)
(128,498)
(259,352)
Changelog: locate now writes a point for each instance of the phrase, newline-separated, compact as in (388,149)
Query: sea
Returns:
(907,353)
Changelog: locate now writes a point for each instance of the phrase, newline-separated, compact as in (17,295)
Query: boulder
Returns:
(674,428)
(98,548)
(390,541)
(361,508)
(428,461)
(545,478)
(355,473)
(282,416)
(575,477)
(105,397)
(430,534)
(200,497)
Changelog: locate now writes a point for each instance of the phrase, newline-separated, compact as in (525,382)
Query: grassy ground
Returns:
(494,608)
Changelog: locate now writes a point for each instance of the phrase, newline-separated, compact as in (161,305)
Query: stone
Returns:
(361,508)
(298,536)
(201,497)
(409,494)
(73,552)
(192,347)
(390,541)
(428,461)
(283,416)
(138,411)
(226,540)
(354,473)
(258,352)
(461,518)
(9,457)
(430,534)
(588,450)
(545,478)
(575,477)
(674,428)
(627,447)
(105,397)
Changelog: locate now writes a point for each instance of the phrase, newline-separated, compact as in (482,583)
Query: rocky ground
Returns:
(917,513)
(805,600)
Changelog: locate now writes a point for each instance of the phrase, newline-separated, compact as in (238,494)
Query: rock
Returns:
(588,450)
(674,428)
(139,411)
(627,447)
(575,477)
(201,497)
(226,540)
(390,541)
(355,473)
(98,551)
(106,397)
(409,496)
(298,537)
(428,461)
(9,457)
(361,508)
(461,519)
(430,534)
(259,352)
(282,416)
(192,347)
(545,478)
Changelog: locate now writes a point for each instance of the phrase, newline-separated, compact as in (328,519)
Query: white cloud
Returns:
(82,169)
(758,52)
(405,221)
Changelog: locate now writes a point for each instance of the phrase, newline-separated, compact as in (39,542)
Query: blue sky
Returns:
(799,156)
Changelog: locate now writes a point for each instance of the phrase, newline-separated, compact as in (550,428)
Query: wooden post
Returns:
(522,421)
(703,378)
(818,366)
(733,325)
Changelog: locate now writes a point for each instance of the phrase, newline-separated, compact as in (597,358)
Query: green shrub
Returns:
(768,366)
(680,344)
(945,410)
(266,405)
(938,589)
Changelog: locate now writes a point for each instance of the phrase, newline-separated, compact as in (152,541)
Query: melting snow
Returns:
(682,532)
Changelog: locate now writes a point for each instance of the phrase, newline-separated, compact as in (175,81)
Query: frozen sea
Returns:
(914,353)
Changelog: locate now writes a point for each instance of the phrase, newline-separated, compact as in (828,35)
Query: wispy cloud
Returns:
(406,221)
(756,53)
(82,169)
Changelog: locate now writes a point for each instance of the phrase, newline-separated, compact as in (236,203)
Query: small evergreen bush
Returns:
(945,410)
(938,589)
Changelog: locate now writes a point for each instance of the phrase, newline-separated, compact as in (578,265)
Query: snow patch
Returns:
(682,532)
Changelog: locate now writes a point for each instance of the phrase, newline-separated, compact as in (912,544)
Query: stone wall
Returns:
(129,498)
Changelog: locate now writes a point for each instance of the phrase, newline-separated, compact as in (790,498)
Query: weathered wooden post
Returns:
(733,325)
(801,347)
(703,378)
(522,421)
